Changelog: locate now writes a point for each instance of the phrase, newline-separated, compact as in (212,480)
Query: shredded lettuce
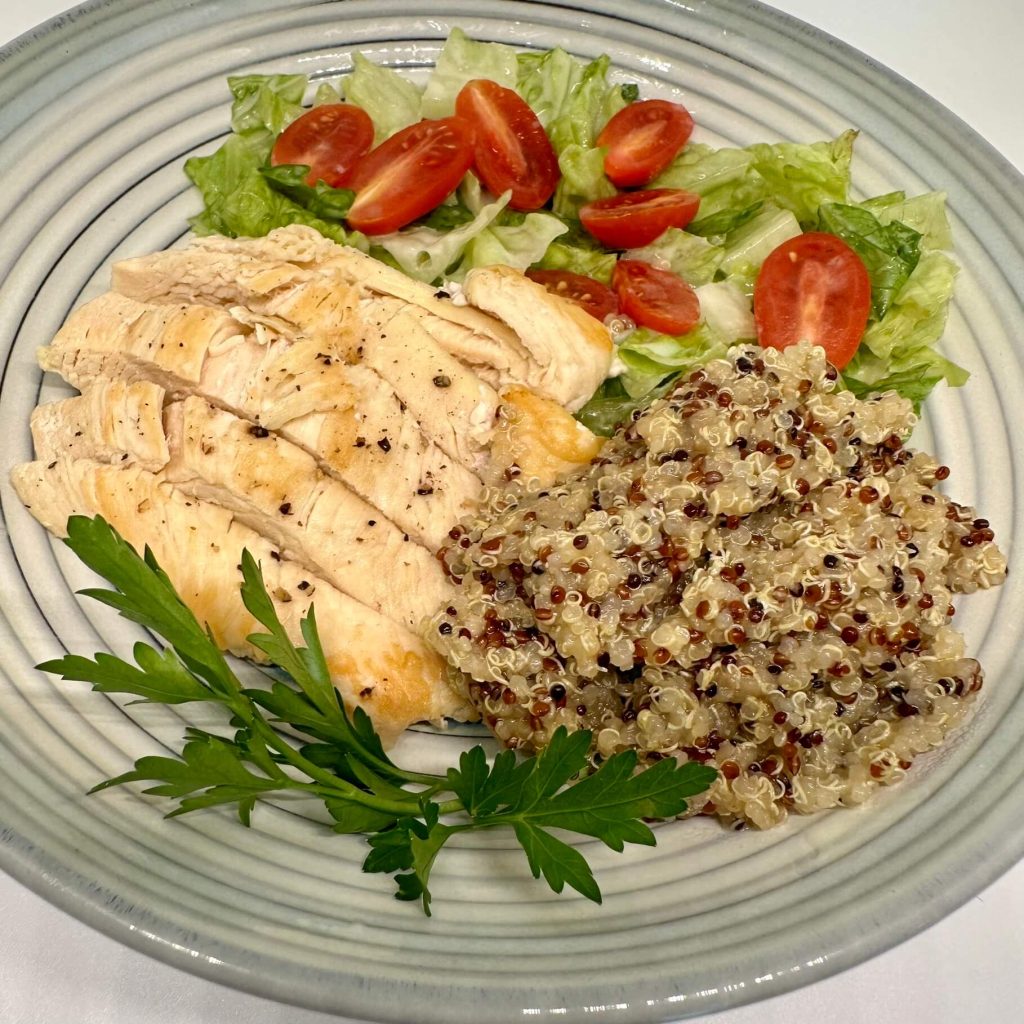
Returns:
(392,101)
(460,61)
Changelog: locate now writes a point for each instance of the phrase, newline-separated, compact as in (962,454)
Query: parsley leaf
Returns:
(341,761)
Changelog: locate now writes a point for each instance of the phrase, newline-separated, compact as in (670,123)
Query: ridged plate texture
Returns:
(98,110)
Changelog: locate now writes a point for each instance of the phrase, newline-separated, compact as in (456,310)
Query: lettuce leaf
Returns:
(890,252)
(924,213)
(802,177)
(734,183)
(747,246)
(563,254)
(239,199)
(898,351)
(321,200)
(694,259)
(513,245)
(583,180)
(392,100)
(460,61)
(265,102)
(427,254)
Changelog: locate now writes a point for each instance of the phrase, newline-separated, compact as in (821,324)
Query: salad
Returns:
(542,162)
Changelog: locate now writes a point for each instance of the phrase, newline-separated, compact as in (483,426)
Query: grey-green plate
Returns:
(98,110)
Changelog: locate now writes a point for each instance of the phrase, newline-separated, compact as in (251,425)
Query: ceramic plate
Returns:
(98,111)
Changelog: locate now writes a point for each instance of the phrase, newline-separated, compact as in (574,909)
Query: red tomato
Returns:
(512,149)
(407,175)
(637,218)
(654,298)
(642,139)
(598,300)
(328,139)
(813,287)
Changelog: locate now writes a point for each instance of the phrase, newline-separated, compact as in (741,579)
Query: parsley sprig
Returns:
(406,816)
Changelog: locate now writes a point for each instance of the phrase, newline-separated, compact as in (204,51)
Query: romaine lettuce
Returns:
(460,61)
(890,252)
(392,101)
(694,259)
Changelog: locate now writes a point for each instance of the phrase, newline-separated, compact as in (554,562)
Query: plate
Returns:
(123,93)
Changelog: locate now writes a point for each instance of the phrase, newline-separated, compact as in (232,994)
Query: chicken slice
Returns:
(320,306)
(275,488)
(374,662)
(115,421)
(347,416)
(454,405)
(533,338)
(538,440)
(570,350)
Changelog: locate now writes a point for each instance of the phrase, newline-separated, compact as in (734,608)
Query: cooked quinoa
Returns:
(754,573)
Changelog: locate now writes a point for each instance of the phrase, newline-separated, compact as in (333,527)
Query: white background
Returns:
(967,969)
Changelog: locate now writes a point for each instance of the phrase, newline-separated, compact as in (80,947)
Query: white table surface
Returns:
(967,969)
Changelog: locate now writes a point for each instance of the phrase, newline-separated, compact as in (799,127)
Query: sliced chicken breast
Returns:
(347,416)
(454,405)
(538,440)
(114,421)
(275,488)
(571,352)
(375,663)
(512,332)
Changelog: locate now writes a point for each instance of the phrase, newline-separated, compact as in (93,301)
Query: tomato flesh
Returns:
(512,150)
(655,298)
(642,140)
(330,140)
(631,219)
(597,299)
(409,174)
(813,287)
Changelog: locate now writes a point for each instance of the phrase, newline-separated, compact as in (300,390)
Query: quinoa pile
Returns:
(754,573)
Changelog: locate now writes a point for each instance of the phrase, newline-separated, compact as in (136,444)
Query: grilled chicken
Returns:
(345,415)
(300,399)
(533,338)
(376,663)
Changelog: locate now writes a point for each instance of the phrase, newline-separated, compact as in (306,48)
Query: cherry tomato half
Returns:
(813,287)
(597,299)
(642,139)
(407,175)
(512,149)
(655,298)
(329,140)
(632,219)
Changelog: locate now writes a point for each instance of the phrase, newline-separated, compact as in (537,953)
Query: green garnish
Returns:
(406,816)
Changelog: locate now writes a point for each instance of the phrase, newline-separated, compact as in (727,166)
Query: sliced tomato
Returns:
(642,139)
(813,287)
(655,298)
(329,140)
(597,299)
(512,149)
(631,219)
(407,175)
